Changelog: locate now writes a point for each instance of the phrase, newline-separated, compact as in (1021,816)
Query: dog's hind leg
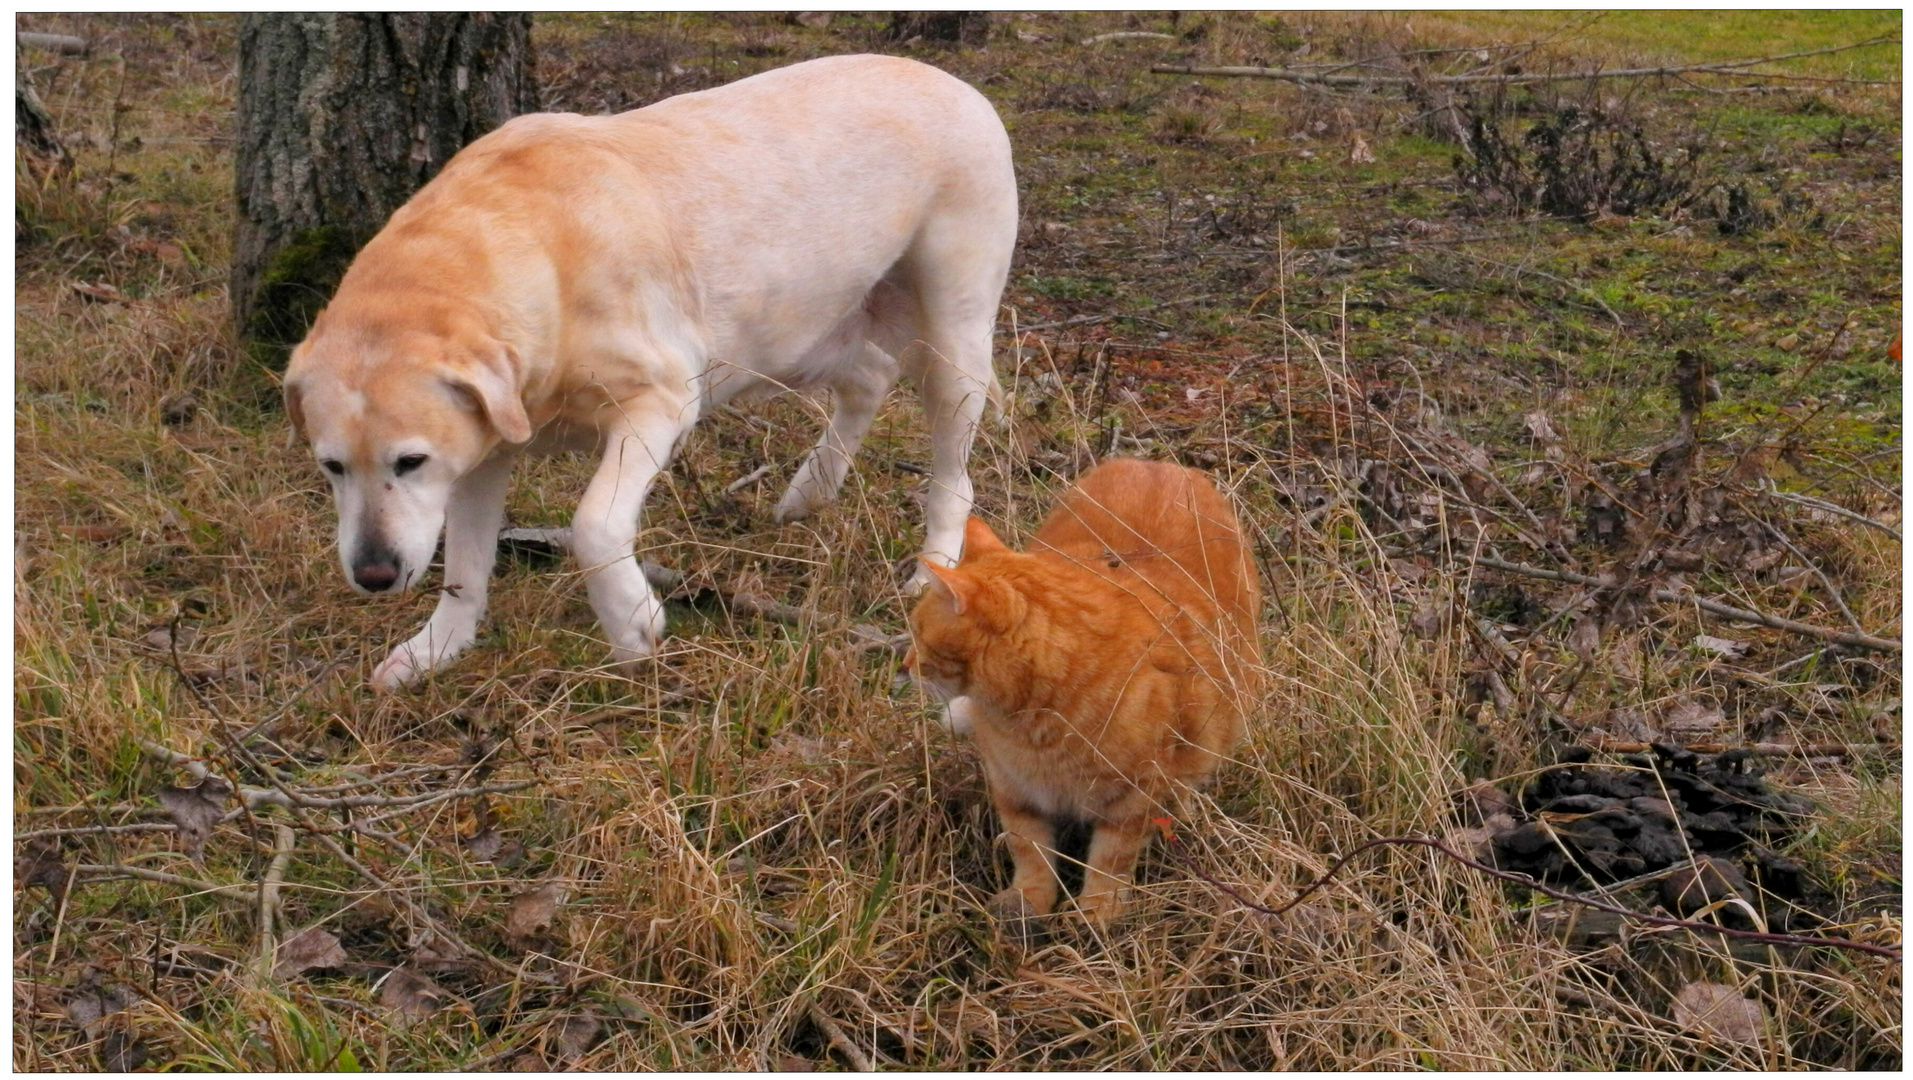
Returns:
(638,445)
(472,521)
(856,395)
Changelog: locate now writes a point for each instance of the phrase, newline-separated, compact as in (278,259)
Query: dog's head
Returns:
(395,419)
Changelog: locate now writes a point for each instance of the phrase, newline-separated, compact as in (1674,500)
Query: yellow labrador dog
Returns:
(601,282)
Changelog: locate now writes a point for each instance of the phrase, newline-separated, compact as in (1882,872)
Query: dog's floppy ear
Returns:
(295,407)
(483,390)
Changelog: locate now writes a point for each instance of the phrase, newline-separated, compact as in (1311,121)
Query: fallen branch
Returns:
(111,870)
(1726,611)
(255,798)
(1525,881)
(1129,35)
(1722,67)
(1831,508)
(64,44)
(858,1060)
(1771,749)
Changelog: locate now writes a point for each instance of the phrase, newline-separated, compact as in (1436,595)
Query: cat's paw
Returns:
(1017,921)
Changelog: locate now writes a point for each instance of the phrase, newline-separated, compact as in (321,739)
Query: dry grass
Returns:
(763,828)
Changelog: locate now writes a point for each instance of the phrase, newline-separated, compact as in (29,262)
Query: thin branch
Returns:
(1528,882)
(1831,508)
(234,892)
(858,1059)
(1726,611)
(1723,67)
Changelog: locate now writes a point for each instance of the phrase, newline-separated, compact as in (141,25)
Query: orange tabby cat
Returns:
(1114,659)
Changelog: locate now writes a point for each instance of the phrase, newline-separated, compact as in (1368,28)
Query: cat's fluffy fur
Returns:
(1115,659)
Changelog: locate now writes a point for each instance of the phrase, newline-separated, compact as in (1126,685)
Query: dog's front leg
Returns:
(638,445)
(472,521)
(953,402)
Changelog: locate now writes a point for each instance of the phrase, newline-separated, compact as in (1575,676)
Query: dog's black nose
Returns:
(376,576)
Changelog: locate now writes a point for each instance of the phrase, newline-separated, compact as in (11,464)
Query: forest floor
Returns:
(1632,331)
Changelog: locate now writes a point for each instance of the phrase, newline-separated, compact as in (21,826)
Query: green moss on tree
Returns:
(296,284)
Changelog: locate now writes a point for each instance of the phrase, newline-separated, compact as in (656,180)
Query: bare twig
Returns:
(1726,611)
(858,1059)
(111,870)
(1722,67)
(1524,880)
(747,479)
(1772,749)
(1129,35)
(1831,508)
(269,885)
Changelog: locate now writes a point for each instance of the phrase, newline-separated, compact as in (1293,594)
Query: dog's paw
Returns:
(1017,921)
(396,672)
(425,653)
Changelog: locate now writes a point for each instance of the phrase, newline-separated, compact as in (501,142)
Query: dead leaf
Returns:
(308,949)
(816,20)
(90,1004)
(1585,638)
(569,1040)
(484,845)
(166,638)
(120,1052)
(196,810)
(1727,647)
(40,863)
(1358,151)
(530,915)
(793,1063)
(95,534)
(412,996)
(1691,719)
(1711,1009)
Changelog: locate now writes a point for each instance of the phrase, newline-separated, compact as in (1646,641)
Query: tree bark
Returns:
(33,132)
(940,27)
(341,118)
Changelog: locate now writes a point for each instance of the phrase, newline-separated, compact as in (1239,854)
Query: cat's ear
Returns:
(953,585)
(978,539)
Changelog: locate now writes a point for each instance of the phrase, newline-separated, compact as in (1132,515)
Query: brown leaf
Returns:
(1692,719)
(484,845)
(529,917)
(1727,647)
(120,1052)
(310,948)
(412,996)
(568,1041)
(40,863)
(793,1063)
(196,810)
(90,1004)
(1710,1009)
(95,534)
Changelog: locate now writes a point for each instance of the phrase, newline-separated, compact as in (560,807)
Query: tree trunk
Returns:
(32,128)
(940,27)
(341,118)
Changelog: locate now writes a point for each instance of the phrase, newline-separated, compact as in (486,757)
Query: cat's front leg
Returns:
(1110,866)
(1019,909)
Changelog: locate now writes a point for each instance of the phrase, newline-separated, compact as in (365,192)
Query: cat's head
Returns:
(963,609)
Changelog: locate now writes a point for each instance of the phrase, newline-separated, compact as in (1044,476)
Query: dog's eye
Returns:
(334,467)
(407,463)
